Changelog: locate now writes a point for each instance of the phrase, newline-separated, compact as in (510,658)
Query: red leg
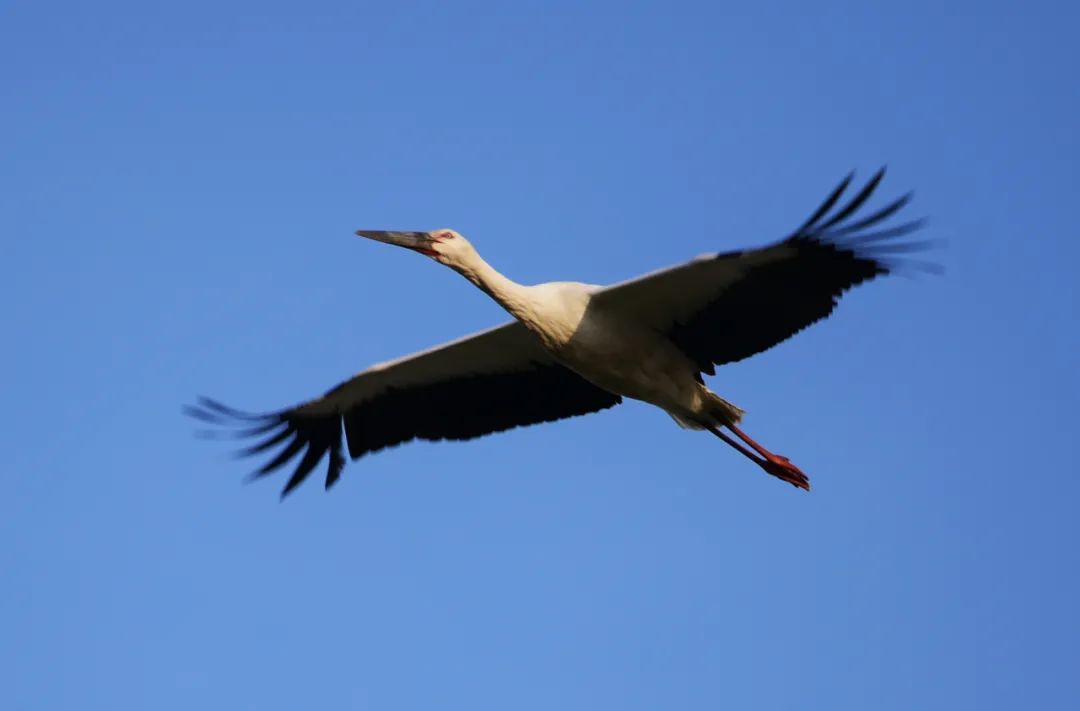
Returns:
(777,465)
(743,450)
(774,464)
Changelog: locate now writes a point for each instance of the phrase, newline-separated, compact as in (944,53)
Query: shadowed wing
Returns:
(488,382)
(727,307)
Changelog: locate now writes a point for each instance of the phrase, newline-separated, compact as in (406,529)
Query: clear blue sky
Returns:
(178,189)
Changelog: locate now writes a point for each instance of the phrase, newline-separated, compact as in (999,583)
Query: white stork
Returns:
(577,348)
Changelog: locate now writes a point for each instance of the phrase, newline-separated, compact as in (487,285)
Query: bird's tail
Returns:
(718,413)
(722,411)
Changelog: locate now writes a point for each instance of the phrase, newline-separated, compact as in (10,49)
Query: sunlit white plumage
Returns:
(578,348)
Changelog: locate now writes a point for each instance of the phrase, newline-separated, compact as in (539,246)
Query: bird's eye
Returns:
(447,235)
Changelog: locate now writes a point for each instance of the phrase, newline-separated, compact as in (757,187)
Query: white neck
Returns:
(515,298)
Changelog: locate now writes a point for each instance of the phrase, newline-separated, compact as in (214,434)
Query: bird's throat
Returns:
(513,297)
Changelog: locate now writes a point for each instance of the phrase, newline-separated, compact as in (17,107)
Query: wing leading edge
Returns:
(492,381)
(726,307)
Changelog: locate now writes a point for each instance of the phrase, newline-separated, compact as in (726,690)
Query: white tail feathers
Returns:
(718,413)
(723,412)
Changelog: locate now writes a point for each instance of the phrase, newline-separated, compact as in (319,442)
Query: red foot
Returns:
(781,468)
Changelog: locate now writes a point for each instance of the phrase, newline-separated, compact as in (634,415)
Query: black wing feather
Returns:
(778,298)
(455,409)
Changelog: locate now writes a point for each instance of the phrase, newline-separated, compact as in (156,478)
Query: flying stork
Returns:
(577,348)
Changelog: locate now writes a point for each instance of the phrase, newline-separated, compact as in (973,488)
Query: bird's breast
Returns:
(625,357)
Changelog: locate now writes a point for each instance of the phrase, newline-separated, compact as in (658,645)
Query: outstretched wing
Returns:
(725,307)
(488,382)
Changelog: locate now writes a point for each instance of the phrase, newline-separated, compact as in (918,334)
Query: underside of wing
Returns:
(492,381)
(727,307)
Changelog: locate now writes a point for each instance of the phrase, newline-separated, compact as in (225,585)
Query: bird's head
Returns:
(444,246)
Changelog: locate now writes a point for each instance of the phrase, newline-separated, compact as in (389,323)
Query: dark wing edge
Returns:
(456,409)
(864,241)
(827,255)
(316,435)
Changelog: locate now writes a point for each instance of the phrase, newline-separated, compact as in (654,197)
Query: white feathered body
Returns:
(616,352)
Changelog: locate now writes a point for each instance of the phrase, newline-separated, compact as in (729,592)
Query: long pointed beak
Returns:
(417,241)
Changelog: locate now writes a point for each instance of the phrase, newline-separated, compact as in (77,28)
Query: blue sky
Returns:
(178,189)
